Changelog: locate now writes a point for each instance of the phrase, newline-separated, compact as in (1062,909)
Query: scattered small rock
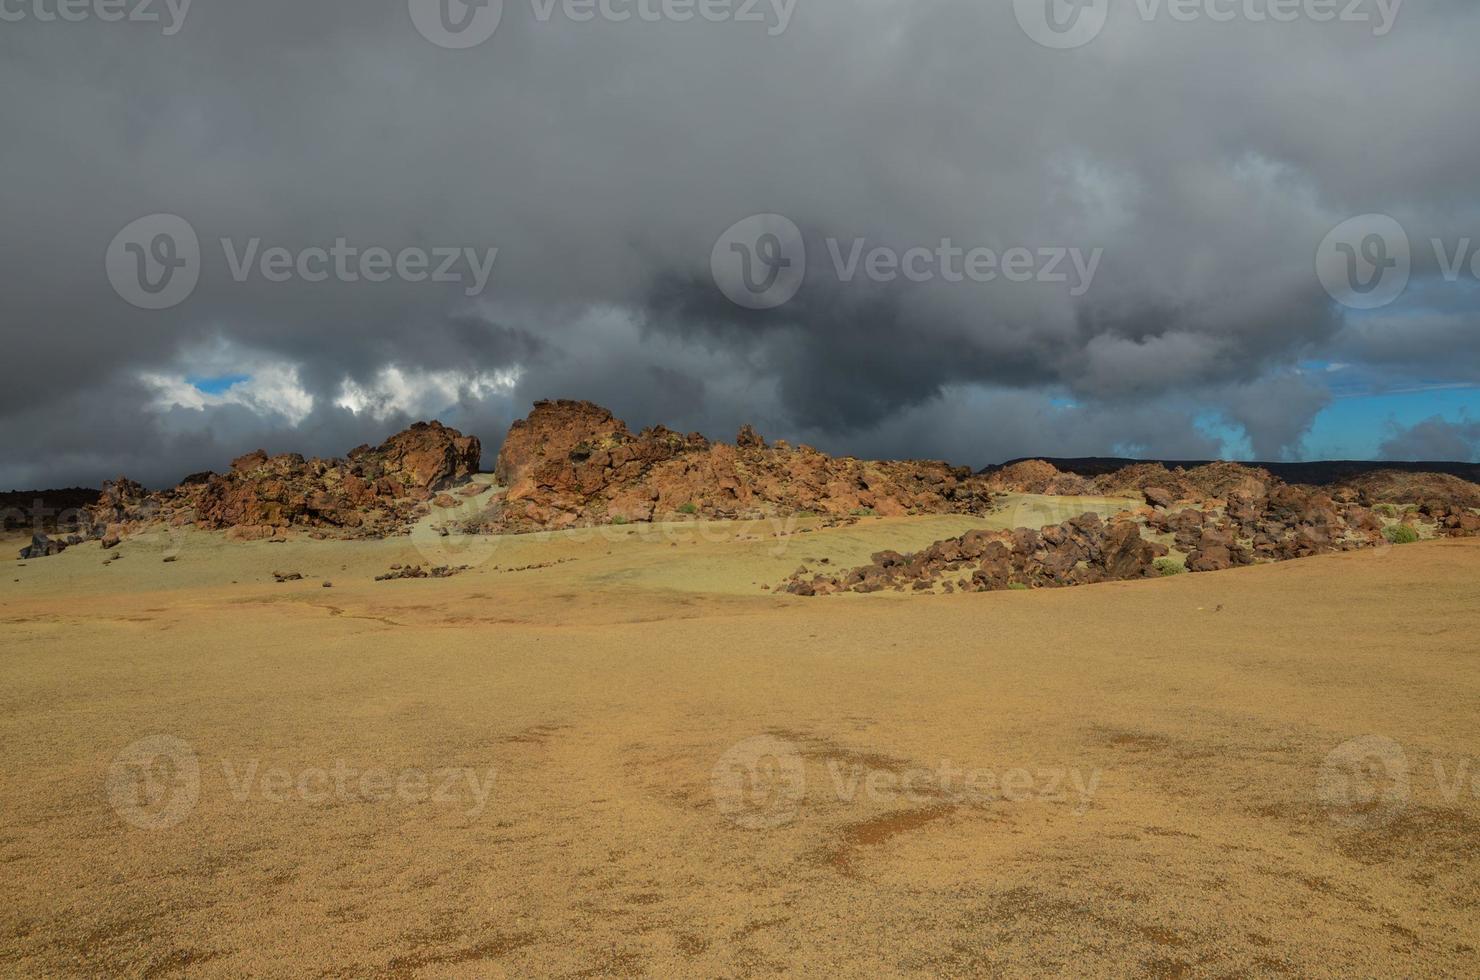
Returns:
(43,547)
(417,571)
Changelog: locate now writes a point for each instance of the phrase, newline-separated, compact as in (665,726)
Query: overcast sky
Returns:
(1185,173)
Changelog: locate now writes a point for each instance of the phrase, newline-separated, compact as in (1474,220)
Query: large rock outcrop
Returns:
(574,464)
(376,490)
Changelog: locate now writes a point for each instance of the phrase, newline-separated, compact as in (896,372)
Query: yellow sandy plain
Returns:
(635,761)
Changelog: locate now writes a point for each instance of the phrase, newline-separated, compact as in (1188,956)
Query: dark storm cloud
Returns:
(603,161)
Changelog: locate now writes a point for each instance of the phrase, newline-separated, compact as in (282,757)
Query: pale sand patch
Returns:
(604,688)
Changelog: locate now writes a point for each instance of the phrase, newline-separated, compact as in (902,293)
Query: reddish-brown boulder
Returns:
(1159,496)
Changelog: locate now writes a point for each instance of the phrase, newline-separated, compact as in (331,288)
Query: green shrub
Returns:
(1017,587)
(689,508)
(1170,566)
(864,512)
(1400,534)
(619,520)
(1387,510)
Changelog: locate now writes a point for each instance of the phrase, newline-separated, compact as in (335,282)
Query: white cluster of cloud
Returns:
(271,390)
(397,391)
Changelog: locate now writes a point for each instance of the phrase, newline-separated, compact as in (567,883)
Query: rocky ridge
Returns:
(574,464)
(376,490)
(1215,517)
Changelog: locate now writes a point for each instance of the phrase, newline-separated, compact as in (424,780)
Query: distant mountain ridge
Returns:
(1316,473)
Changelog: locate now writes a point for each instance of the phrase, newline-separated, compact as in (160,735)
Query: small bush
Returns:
(1400,534)
(689,508)
(1170,566)
(619,520)
(1387,510)
(864,512)
(1017,587)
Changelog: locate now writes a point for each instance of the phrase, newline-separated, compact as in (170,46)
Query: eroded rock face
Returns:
(575,464)
(376,490)
(425,458)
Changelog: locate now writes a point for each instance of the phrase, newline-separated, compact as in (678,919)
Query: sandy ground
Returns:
(612,753)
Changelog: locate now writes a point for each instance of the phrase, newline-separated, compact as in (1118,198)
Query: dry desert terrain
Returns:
(613,753)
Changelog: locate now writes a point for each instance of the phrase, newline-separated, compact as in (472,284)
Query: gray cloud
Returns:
(1434,438)
(603,160)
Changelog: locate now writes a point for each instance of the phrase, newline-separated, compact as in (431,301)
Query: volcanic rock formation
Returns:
(1258,519)
(376,490)
(574,464)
